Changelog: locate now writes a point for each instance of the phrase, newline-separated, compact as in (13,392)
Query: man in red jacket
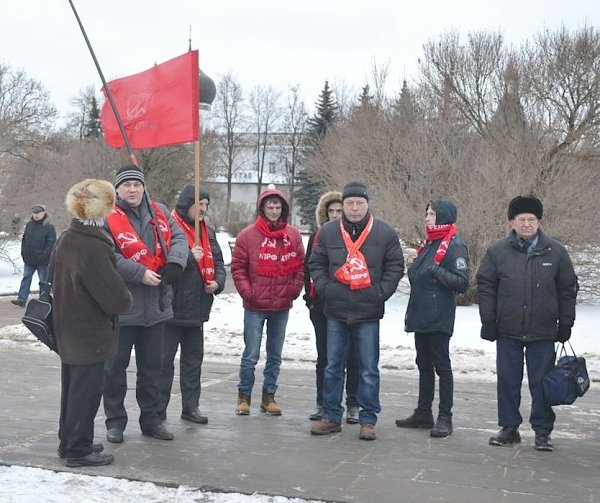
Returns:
(267,271)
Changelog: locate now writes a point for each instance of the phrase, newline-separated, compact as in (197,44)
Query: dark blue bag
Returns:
(567,381)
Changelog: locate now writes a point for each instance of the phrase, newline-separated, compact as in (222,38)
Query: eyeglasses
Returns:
(530,220)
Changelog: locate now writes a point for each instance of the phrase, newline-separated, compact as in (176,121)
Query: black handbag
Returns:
(38,319)
(568,380)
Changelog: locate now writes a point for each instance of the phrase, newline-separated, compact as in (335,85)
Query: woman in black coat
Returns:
(438,273)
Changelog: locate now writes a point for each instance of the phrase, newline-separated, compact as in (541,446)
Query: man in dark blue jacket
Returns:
(356,266)
(38,240)
(440,271)
(527,290)
(203,278)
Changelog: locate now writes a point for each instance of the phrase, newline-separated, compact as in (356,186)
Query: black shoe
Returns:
(18,302)
(543,443)
(95,448)
(443,427)
(507,436)
(417,420)
(114,435)
(352,414)
(159,432)
(194,416)
(93,459)
(317,415)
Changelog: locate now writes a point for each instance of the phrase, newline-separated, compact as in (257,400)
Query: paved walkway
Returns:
(278,456)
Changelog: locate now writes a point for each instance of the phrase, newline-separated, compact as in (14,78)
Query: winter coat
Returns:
(263,293)
(433,288)
(38,240)
(383,254)
(321,217)
(527,295)
(151,304)
(191,304)
(89,293)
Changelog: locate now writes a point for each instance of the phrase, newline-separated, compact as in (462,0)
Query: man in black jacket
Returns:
(203,278)
(356,266)
(527,290)
(38,240)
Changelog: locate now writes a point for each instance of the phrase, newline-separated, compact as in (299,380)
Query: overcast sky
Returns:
(269,42)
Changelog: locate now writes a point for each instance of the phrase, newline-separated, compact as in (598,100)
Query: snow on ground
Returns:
(472,359)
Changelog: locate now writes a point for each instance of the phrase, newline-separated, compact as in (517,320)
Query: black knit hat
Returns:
(130,172)
(355,189)
(525,204)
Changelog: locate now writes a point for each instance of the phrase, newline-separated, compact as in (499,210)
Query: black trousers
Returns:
(433,355)
(148,343)
(190,340)
(81,391)
(319,322)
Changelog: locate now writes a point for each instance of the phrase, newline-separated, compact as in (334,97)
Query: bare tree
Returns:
(294,125)
(229,112)
(26,114)
(79,120)
(266,112)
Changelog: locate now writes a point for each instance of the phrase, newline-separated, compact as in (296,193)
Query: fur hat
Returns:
(91,200)
(355,189)
(525,204)
(130,172)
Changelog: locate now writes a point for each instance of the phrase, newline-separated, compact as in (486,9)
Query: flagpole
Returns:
(197,190)
(132,158)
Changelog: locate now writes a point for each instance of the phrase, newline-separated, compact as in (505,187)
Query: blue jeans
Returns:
(28,271)
(254,322)
(539,356)
(365,337)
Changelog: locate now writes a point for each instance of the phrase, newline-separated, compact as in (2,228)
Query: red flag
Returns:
(158,107)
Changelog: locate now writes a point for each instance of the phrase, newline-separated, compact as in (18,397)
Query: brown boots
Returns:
(269,405)
(243,405)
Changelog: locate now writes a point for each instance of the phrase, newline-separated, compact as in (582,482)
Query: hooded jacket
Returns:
(89,292)
(262,293)
(38,240)
(433,288)
(321,217)
(191,304)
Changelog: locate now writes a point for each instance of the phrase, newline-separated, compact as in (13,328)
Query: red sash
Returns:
(355,271)
(130,244)
(271,262)
(206,263)
(445,232)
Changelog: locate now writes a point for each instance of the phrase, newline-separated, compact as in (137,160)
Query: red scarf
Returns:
(132,247)
(444,232)
(355,271)
(271,261)
(206,263)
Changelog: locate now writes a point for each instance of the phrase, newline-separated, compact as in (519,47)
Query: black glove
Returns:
(564,333)
(171,273)
(489,331)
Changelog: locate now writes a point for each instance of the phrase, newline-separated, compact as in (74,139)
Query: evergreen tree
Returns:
(309,187)
(92,126)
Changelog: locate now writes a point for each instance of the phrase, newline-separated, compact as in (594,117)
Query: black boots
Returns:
(443,427)
(417,420)
(507,436)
